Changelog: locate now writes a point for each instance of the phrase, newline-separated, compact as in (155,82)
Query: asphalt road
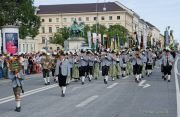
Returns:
(152,97)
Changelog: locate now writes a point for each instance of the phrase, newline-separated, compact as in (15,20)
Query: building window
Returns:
(57,29)
(110,17)
(102,18)
(43,40)
(95,18)
(118,17)
(43,29)
(50,39)
(80,19)
(87,18)
(42,20)
(64,19)
(50,29)
(50,19)
(57,19)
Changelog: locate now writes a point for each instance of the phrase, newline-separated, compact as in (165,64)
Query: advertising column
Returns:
(10,39)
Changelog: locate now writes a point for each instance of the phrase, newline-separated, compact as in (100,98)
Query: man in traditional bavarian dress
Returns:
(83,64)
(53,67)
(62,70)
(149,63)
(90,65)
(137,62)
(16,75)
(167,63)
(162,62)
(105,63)
(96,66)
(123,63)
(46,66)
(144,58)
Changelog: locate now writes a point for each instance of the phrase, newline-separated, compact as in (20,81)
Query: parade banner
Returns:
(11,42)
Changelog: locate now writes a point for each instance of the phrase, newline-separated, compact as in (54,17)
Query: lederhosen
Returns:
(89,69)
(123,68)
(167,68)
(148,65)
(105,70)
(136,69)
(82,70)
(61,78)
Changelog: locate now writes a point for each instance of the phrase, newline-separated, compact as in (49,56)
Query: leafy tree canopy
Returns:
(20,13)
(61,36)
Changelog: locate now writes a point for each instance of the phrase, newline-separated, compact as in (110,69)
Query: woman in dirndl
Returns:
(75,68)
(112,69)
(118,68)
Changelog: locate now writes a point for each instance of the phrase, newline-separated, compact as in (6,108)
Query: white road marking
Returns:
(10,98)
(125,77)
(146,85)
(113,85)
(177,88)
(141,83)
(87,101)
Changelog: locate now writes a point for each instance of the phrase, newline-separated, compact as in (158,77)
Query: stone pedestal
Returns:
(73,43)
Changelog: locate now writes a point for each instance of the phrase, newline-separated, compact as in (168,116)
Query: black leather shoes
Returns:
(18,109)
(63,95)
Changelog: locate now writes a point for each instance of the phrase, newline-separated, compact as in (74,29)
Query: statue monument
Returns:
(75,40)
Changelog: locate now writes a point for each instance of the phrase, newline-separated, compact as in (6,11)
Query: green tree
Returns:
(118,30)
(61,36)
(20,13)
(86,29)
(100,29)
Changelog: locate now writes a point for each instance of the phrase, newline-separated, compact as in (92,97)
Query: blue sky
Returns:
(160,13)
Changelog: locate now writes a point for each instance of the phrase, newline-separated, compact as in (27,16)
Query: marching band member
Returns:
(16,75)
(105,63)
(46,65)
(90,65)
(123,63)
(53,67)
(83,63)
(118,68)
(129,63)
(149,64)
(168,63)
(62,70)
(137,61)
(113,69)
(162,62)
(144,64)
(75,66)
(96,66)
